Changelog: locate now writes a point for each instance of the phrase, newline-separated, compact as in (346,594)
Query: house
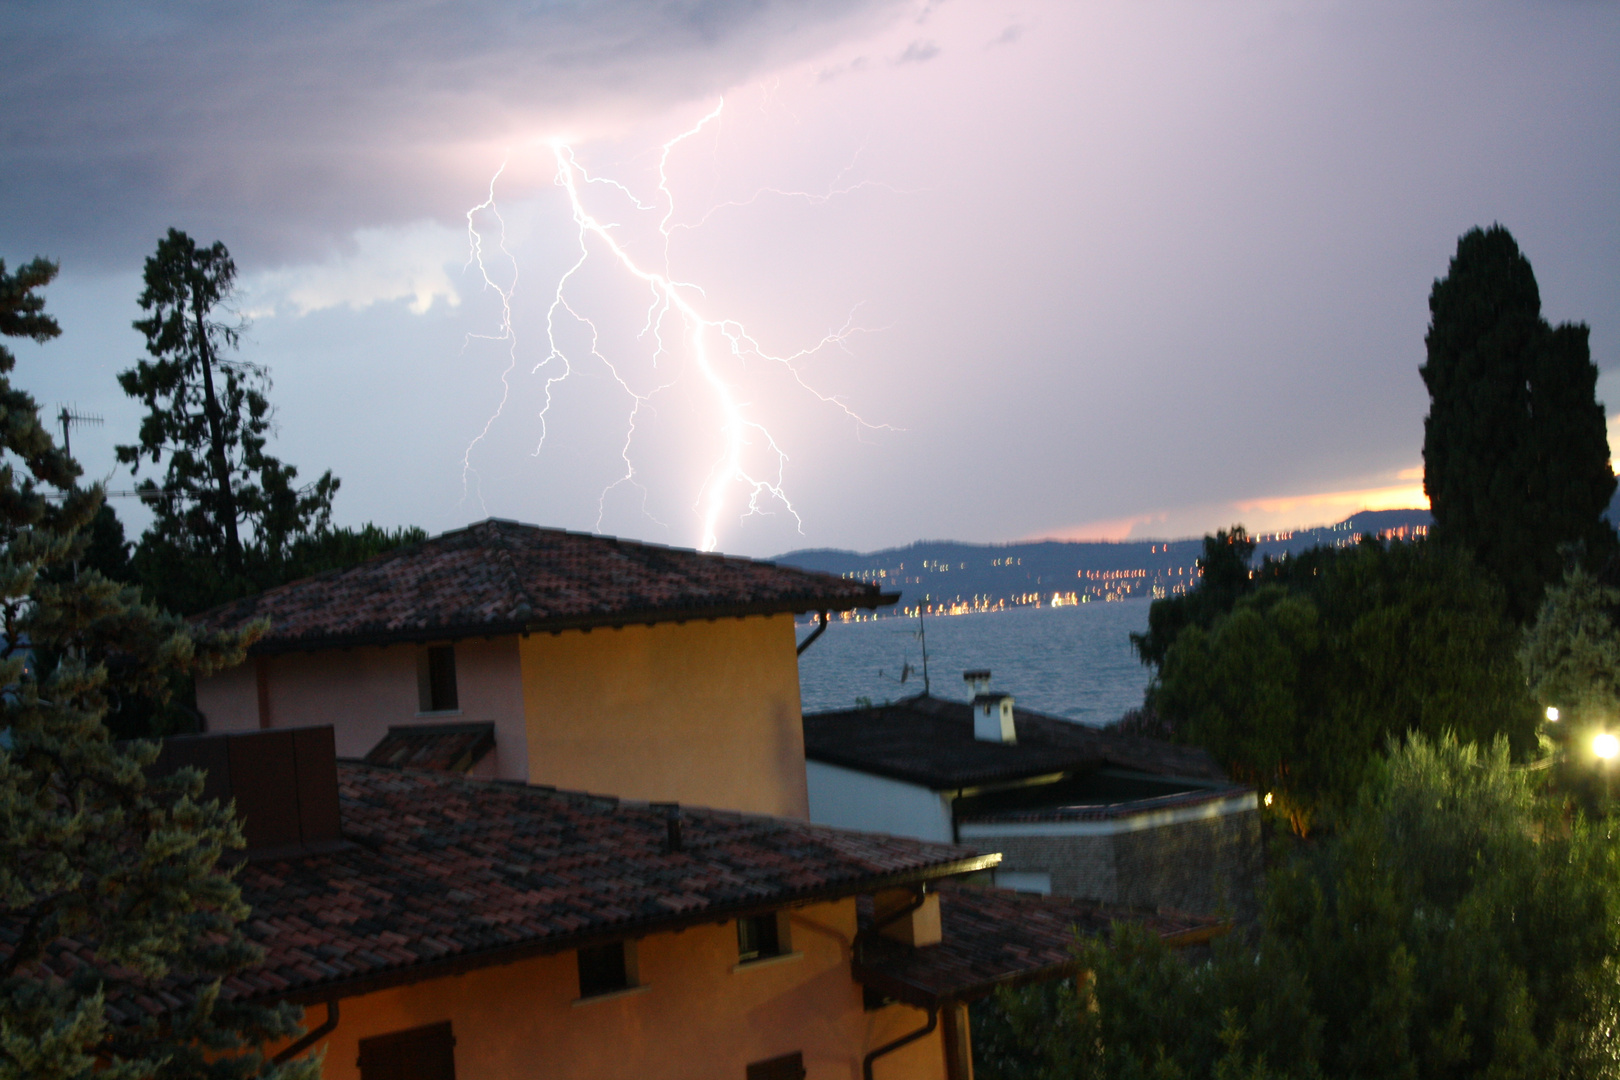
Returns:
(515,652)
(1073,810)
(439,926)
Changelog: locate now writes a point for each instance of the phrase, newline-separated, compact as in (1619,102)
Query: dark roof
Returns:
(445,874)
(445,747)
(502,577)
(996,937)
(929,741)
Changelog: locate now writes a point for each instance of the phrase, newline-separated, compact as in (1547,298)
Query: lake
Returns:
(1075,662)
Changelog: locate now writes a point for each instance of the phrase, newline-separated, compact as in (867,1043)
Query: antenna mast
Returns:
(68,418)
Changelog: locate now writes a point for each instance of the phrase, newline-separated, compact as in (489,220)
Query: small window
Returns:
(422,1053)
(436,679)
(605,969)
(759,937)
(786,1067)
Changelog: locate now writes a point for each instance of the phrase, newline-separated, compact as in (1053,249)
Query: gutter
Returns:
(817,632)
(503,627)
(311,1037)
(904,1040)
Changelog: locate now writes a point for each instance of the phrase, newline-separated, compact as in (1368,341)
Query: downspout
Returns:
(312,1037)
(887,1048)
(817,632)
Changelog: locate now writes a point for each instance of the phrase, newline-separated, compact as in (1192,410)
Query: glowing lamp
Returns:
(1606,746)
(1268,798)
(1552,713)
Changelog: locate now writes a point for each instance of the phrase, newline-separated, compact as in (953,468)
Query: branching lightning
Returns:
(673,314)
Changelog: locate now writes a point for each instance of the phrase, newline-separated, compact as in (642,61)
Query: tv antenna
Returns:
(68,417)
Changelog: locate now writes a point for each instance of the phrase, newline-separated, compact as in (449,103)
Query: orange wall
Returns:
(704,712)
(698,1020)
(363,691)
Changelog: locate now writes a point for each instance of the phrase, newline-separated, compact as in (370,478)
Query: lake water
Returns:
(1075,661)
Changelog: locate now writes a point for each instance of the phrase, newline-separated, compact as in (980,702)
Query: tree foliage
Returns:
(1515,449)
(112,899)
(227,512)
(1451,928)
(1297,680)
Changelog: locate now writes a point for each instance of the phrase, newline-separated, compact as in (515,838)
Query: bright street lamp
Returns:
(1552,713)
(1606,746)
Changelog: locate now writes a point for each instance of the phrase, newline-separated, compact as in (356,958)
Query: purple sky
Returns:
(1082,269)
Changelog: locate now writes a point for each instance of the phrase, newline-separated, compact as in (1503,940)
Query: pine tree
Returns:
(111,893)
(1515,449)
(208,417)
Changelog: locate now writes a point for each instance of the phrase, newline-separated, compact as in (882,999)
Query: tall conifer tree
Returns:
(112,899)
(1515,451)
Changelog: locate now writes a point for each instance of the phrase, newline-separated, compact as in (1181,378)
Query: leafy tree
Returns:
(1224,575)
(1515,450)
(227,511)
(1300,684)
(1453,927)
(1571,661)
(112,899)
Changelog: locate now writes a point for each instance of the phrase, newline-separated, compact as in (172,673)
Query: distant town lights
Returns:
(1606,746)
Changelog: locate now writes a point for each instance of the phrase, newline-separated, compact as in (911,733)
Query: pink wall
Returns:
(361,692)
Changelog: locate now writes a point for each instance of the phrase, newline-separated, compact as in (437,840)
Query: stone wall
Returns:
(1203,867)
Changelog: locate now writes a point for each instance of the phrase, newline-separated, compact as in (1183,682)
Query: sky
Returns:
(765,275)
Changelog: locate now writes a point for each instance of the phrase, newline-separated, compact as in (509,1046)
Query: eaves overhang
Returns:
(475,960)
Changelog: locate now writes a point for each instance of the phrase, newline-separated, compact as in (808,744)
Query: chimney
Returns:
(674,830)
(993,718)
(978,681)
(284,782)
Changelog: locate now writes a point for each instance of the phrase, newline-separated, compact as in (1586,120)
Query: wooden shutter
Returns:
(786,1067)
(422,1053)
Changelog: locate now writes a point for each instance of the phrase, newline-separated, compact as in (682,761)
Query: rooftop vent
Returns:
(993,718)
(284,782)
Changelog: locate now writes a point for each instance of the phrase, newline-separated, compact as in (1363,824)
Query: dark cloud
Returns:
(285,124)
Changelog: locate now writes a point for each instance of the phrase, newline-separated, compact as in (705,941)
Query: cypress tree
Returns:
(1515,450)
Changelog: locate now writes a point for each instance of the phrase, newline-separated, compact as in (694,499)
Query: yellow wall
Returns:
(703,712)
(697,1019)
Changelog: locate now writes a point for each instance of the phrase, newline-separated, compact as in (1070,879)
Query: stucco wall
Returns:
(361,692)
(704,712)
(850,799)
(698,1020)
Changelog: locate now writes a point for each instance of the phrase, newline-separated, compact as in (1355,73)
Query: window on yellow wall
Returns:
(436,679)
(760,937)
(420,1053)
(786,1067)
(607,969)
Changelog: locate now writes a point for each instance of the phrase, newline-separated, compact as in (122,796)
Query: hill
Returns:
(948,576)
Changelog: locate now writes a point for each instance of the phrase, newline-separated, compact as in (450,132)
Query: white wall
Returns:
(856,800)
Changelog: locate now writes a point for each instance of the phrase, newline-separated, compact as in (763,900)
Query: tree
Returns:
(1515,450)
(1453,927)
(209,417)
(1224,575)
(1299,684)
(112,899)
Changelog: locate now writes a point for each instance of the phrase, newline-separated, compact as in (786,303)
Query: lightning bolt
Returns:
(673,310)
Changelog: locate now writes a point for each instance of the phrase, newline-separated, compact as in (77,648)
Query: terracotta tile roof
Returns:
(444,747)
(996,937)
(442,874)
(929,741)
(502,577)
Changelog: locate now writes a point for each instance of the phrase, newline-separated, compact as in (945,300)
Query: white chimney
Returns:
(978,681)
(993,718)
